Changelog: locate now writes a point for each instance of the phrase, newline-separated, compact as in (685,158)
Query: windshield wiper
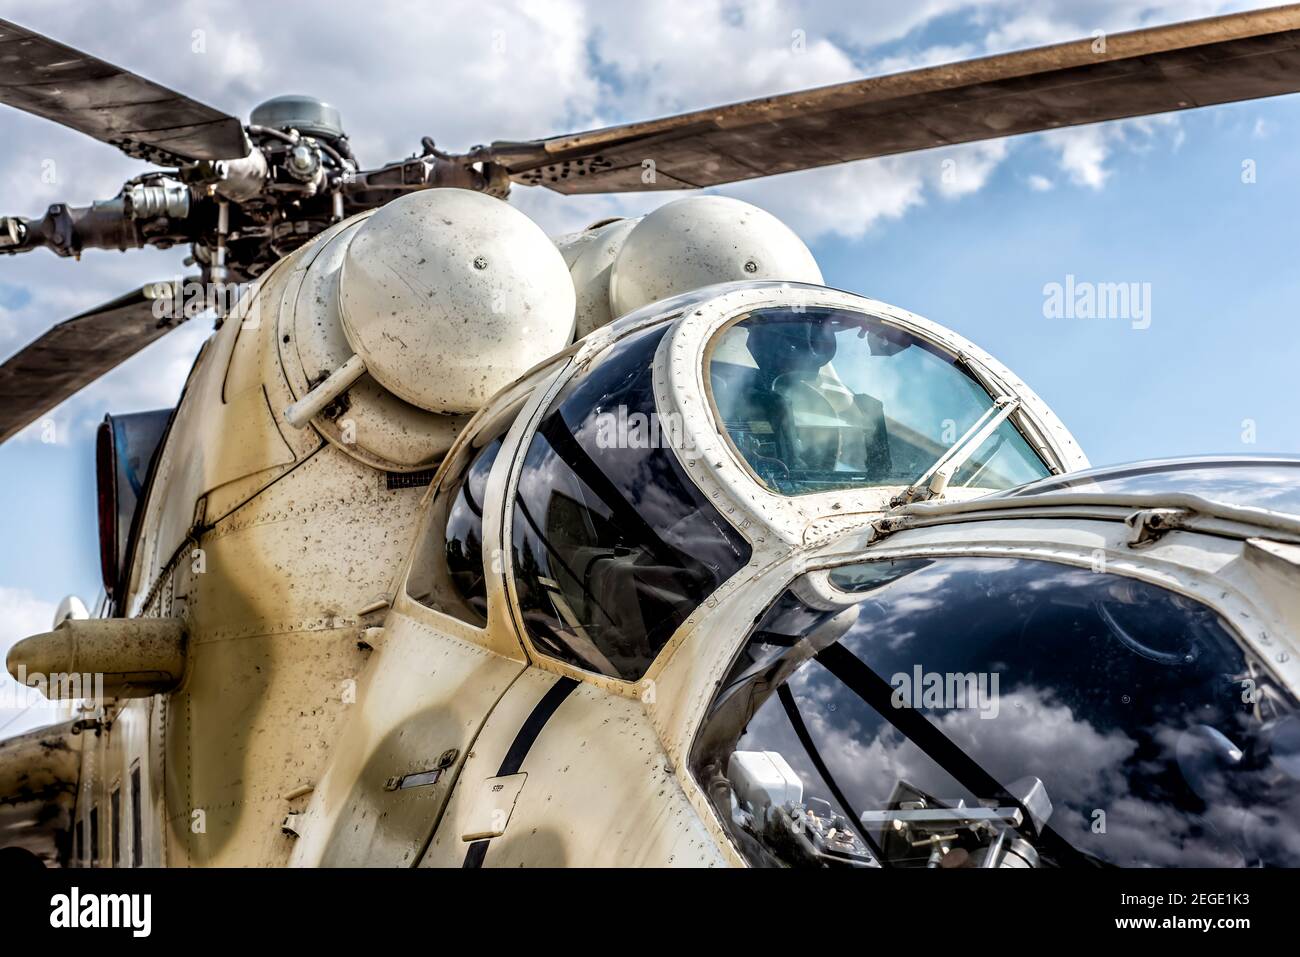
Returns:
(936,478)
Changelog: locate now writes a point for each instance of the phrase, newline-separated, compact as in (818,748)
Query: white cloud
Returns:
(465,73)
(1084,150)
(22,614)
(1040,22)
(1083,154)
(919,59)
(1039,183)
(966,169)
(844,201)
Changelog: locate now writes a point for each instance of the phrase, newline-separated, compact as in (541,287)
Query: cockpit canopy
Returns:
(632,495)
(823,399)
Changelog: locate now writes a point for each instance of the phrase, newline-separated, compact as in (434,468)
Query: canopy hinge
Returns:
(1148,524)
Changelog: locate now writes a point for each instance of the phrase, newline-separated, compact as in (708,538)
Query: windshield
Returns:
(982,712)
(824,399)
(614,545)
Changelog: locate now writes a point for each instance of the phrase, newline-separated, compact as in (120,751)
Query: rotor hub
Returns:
(306,114)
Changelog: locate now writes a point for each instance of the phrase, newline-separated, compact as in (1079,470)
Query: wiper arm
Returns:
(936,478)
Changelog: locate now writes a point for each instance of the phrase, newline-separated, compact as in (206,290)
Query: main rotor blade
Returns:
(136,115)
(1199,63)
(78,351)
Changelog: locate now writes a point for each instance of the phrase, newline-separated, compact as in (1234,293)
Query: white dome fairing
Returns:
(449,295)
(702,240)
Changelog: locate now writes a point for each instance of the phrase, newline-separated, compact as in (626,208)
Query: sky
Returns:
(1197,210)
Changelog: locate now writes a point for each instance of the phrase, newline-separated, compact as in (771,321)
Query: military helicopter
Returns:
(466,546)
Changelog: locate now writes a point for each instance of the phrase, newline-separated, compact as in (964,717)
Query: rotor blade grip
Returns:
(67,230)
(339,381)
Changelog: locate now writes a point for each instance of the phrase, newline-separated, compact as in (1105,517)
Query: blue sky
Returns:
(1219,255)
(1159,202)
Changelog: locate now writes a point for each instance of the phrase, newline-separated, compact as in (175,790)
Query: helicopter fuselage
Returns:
(327,716)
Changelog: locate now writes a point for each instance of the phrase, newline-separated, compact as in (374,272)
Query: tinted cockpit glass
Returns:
(980,712)
(614,545)
(827,399)
(449,573)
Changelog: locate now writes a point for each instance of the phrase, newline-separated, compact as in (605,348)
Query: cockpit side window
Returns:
(988,712)
(448,573)
(614,546)
(825,399)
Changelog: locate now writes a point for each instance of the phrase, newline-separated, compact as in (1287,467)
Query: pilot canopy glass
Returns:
(819,399)
(960,712)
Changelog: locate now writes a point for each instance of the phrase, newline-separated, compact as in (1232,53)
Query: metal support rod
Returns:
(340,380)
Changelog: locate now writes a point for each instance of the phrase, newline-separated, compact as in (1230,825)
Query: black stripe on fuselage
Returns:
(514,759)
